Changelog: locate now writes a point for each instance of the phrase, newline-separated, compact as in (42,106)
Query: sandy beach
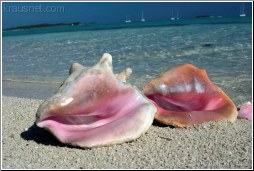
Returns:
(38,49)
(210,145)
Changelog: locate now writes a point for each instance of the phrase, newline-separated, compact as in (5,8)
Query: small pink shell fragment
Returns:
(245,111)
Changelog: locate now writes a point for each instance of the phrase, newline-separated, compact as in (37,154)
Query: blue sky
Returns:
(18,14)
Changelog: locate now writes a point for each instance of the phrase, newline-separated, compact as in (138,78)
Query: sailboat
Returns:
(172,18)
(142,19)
(177,16)
(242,13)
(127,20)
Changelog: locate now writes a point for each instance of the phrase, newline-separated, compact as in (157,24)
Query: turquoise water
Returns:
(182,22)
(224,50)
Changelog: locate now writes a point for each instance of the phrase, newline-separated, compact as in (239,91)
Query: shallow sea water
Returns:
(224,50)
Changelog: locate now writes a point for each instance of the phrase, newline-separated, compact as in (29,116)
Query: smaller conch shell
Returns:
(184,96)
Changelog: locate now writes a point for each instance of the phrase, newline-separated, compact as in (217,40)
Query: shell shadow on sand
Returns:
(42,136)
(159,124)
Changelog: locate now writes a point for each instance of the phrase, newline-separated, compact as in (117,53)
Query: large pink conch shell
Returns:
(245,111)
(94,108)
(184,96)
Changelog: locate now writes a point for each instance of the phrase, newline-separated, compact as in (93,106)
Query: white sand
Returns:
(211,145)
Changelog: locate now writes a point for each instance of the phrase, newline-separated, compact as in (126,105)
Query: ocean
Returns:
(222,46)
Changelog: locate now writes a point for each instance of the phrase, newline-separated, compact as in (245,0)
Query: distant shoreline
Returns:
(45,25)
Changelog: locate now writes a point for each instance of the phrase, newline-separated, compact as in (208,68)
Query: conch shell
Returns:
(93,108)
(184,96)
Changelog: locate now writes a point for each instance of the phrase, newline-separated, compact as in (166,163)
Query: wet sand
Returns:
(238,88)
(210,145)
